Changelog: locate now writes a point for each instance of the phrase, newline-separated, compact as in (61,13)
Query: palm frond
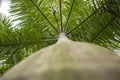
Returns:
(99,27)
(16,44)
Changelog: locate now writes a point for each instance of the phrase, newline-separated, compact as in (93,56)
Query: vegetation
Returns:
(41,21)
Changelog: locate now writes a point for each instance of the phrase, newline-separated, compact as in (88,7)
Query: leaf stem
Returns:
(85,19)
(54,13)
(61,27)
(27,42)
(44,16)
(102,30)
(67,22)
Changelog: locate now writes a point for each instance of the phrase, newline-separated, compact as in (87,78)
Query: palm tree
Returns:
(42,21)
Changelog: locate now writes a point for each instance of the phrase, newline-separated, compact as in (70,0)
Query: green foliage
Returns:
(94,21)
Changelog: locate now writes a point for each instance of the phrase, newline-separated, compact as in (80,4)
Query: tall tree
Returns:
(41,21)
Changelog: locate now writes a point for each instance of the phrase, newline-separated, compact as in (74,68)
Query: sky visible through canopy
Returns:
(4,9)
(5,6)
